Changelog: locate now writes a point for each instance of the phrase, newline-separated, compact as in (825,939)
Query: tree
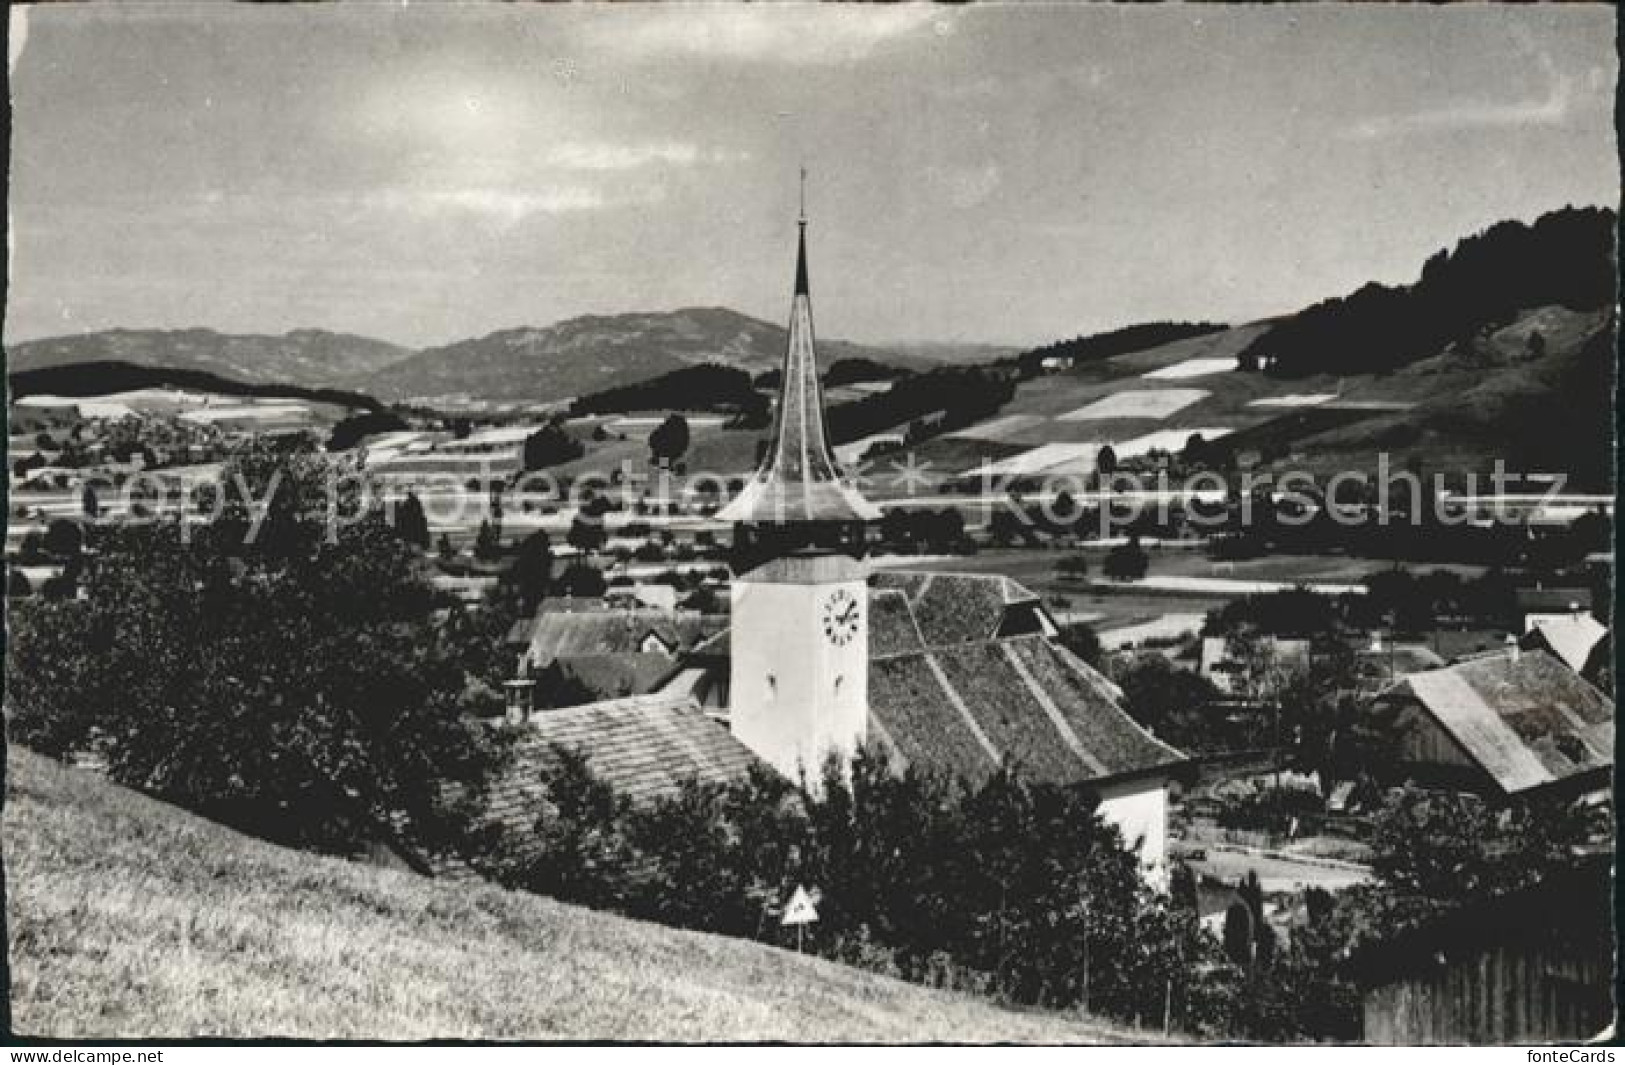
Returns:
(1106,461)
(63,538)
(17,584)
(582,581)
(1169,701)
(1074,567)
(487,543)
(551,445)
(1127,562)
(411,523)
(532,571)
(1195,452)
(290,683)
(31,549)
(588,532)
(1449,846)
(350,431)
(444,549)
(1081,640)
(669,441)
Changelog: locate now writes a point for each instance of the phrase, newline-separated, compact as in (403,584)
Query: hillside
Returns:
(1540,405)
(1563,259)
(590,354)
(103,378)
(312,358)
(131,918)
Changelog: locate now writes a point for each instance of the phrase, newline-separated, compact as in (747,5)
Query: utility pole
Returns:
(1085,956)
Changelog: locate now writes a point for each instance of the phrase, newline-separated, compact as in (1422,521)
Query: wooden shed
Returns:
(1533,967)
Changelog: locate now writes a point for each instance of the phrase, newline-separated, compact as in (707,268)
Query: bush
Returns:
(1126,562)
(292,685)
(1008,888)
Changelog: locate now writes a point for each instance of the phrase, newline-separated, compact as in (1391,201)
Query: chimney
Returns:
(1376,641)
(1514,651)
(519,693)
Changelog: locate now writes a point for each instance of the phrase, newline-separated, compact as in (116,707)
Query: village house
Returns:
(1228,674)
(609,652)
(1503,725)
(1537,606)
(1572,637)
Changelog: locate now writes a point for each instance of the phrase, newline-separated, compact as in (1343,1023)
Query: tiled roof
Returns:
(570,604)
(946,608)
(1023,700)
(644,747)
(1526,719)
(608,632)
(614,676)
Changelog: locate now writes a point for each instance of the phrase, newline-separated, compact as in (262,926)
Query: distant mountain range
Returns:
(527,364)
(309,358)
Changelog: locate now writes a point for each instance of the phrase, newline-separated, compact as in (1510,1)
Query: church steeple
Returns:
(799,483)
(801,261)
(801,241)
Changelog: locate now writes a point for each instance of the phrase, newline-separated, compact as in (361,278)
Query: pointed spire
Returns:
(801,261)
(801,242)
(799,480)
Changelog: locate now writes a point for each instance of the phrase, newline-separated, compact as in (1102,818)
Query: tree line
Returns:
(1565,258)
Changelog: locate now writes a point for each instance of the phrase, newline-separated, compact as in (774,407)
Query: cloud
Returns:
(1552,107)
(783,33)
(500,205)
(601,155)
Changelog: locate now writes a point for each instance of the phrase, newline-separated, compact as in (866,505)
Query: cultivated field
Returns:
(130,918)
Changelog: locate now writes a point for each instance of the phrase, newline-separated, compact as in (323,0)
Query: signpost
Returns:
(799,911)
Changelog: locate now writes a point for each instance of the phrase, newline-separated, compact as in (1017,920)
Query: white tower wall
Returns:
(797,693)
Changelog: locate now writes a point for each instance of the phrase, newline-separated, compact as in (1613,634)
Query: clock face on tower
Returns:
(840,617)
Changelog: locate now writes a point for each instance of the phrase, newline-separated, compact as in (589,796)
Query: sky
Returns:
(423,173)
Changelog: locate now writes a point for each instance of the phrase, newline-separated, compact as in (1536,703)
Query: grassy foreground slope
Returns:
(129,918)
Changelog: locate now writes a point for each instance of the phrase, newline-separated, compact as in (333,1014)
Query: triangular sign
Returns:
(800,908)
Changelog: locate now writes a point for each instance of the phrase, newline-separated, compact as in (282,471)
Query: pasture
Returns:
(130,919)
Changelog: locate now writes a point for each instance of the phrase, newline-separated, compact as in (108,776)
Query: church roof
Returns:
(964,678)
(799,480)
(1525,719)
(1019,700)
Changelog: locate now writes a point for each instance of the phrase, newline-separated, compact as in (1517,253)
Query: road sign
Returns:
(800,909)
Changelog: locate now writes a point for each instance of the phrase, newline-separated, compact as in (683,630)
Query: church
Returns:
(822,653)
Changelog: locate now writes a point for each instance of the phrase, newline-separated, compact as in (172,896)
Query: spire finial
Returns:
(801,243)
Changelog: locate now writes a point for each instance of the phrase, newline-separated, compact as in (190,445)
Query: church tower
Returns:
(799,641)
